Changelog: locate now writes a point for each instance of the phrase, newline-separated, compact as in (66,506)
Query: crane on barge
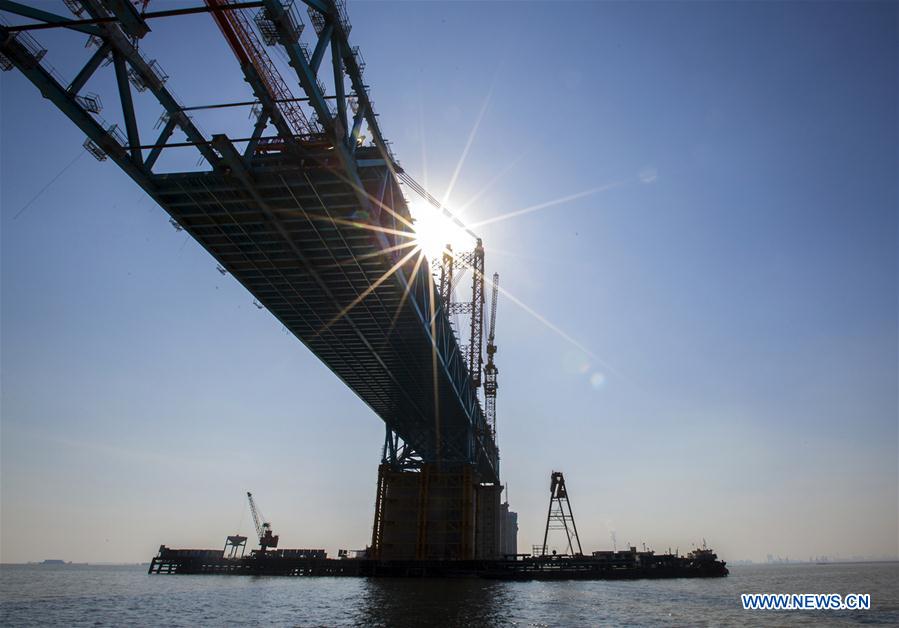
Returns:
(263,528)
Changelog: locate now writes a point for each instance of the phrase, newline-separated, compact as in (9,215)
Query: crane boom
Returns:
(257,520)
(490,370)
(492,328)
(263,528)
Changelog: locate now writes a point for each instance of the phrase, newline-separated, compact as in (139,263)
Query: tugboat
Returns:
(705,562)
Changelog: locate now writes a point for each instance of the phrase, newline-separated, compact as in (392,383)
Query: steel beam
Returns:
(337,63)
(45,16)
(89,68)
(66,103)
(117,40)
(268,105)
(322,6)
(90,22)
(321,45)
(309,83)
(166,133)
(121,74)
(305,73)
(261,123)
(129,19)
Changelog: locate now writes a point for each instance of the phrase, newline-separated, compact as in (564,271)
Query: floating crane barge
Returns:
(621,565)
(627,564)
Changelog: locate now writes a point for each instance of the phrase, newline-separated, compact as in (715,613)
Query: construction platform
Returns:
(269,563)
(623,565)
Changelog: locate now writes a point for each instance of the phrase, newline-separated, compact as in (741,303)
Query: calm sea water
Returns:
(116,596)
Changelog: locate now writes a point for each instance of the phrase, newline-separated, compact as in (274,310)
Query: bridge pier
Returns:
(436,514)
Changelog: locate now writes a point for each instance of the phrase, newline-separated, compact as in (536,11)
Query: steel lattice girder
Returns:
(270,221)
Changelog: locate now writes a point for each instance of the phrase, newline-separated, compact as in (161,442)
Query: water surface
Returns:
(32,595)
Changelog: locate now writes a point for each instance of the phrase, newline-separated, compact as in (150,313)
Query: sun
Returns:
(434,230)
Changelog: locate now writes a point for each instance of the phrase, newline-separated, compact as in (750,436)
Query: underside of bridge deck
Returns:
(290,229)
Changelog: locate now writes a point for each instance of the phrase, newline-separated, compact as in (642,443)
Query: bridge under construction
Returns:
(308,209)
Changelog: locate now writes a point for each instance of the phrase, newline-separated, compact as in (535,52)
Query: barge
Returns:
(621,565)
(442,550)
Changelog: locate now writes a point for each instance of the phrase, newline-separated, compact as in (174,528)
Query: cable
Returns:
(51,182)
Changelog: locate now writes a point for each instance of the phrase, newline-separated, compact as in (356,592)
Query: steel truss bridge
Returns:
(310,219)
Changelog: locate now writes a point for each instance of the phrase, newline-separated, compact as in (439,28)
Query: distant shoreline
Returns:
(853,562)
(73,564)
(821,564)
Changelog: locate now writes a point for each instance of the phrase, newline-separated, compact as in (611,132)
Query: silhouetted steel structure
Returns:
(559,516)
(235,546)
(267,538)
(474,261)
(307,218)
(490,370)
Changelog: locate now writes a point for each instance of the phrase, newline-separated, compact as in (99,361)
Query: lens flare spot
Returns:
(597,380)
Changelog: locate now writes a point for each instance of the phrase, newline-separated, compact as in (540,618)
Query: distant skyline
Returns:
(692,206)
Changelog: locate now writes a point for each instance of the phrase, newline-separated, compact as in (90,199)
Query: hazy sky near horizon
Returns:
(728,289)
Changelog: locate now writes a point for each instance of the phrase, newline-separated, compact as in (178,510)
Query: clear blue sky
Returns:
(733,292)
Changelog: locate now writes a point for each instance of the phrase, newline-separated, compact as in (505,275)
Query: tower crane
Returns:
(490,369)
(263,528)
